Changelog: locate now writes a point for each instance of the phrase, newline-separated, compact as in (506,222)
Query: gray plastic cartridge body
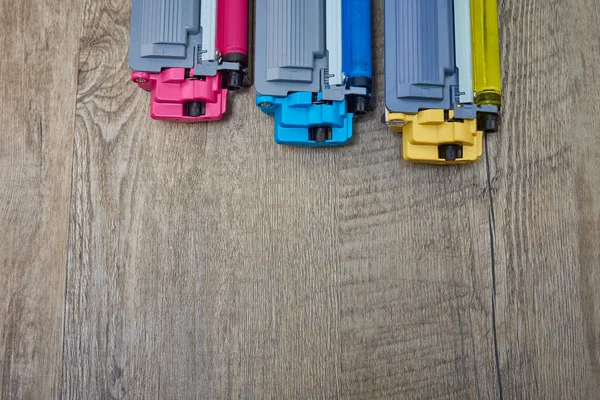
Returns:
(168,34)
(420,65)
(290,52)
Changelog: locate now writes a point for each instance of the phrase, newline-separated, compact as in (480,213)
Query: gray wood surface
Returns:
(39,43)
(546,190)
(144,259)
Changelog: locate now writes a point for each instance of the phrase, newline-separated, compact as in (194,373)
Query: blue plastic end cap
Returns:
(300,122)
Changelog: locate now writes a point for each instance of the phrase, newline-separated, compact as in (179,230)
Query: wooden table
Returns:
(145,259)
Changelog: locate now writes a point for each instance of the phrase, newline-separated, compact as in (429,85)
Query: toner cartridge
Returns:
(313,68)
(442,77)
(188,54)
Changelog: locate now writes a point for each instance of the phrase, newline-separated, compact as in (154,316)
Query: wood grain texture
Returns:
(415,270)
(203,257)
(547,200)
(204,261)
(38,60)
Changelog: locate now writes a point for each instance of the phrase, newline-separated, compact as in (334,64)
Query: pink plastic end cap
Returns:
(170,91)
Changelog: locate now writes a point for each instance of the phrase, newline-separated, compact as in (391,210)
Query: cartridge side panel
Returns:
(164,34)
(419,50)
(290,46)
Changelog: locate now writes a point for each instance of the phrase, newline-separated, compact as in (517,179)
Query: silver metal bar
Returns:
(333,32)
(464,49)
(208,21)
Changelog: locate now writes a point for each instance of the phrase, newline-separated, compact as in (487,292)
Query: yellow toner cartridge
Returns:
(442,77)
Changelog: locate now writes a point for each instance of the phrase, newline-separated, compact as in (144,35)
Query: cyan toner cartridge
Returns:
(442,72)
(188,54)
(313,67)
